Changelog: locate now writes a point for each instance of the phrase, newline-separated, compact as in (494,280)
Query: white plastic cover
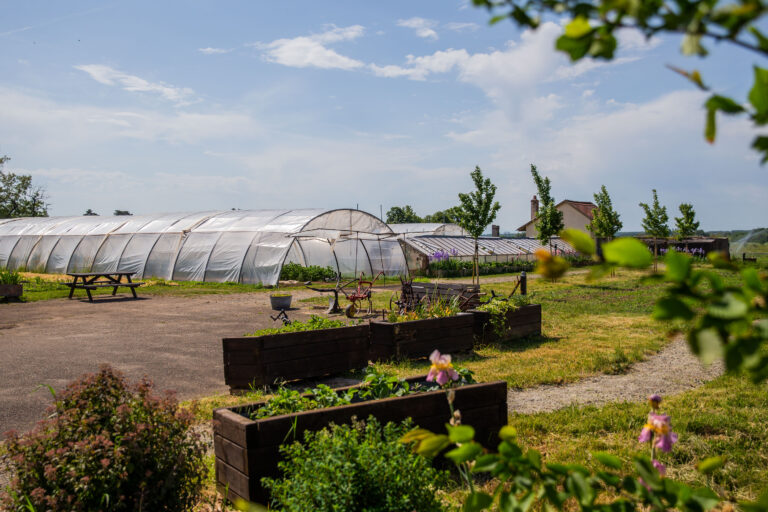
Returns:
(247,246)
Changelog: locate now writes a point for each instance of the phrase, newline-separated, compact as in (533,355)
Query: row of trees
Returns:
(406,215)
(18,196)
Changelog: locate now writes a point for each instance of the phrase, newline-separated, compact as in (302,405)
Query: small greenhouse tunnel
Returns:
(246,246)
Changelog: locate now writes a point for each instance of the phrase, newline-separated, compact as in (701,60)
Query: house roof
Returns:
(584,207)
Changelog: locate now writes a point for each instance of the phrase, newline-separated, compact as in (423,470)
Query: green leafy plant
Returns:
(297,272)
(9,277)
(358,467)
(314,323)
(436,307)
(109,445)
(498,308)
(686,225)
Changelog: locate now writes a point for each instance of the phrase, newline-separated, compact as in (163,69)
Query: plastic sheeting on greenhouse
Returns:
(429,228)
(489,249)
(246,246)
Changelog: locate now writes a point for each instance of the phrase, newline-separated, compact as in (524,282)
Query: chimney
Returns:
(534,208)
(494,230)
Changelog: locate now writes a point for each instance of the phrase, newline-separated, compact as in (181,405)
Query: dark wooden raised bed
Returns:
(11,290)
(247,450)
(260,360)
(418,338)
(525,321)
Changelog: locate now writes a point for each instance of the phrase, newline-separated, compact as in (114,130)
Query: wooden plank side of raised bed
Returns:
(232,425)
(456,340)
(336,362)
(236,481)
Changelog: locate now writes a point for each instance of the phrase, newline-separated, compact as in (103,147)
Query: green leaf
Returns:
(465,452)
(705,497)
(760,144)
(724,104)
(752,280)
(691,45)
(710,129)
(485,463)
(758,96)
(694,76)
(431,446)
(579,486)
(708,345)
(578,27)
(580,240)
(678,266)
(669,308)
(477,501)
(534,457)
(417,434)
(508,433)
(710,464)
(729,307)
(460,433)
(575,48)
(497,19)
(607,459)
(648,473)
(627,252)
(509,450)
(761,39)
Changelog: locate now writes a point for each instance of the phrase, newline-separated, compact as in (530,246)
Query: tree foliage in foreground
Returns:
(550,220)
(591,33)
(605,221)
(18,196)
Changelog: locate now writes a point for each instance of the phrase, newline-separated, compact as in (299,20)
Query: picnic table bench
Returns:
(92,280)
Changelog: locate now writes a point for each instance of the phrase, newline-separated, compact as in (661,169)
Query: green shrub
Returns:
(497,309)
(296,272)
(9,277)
(108,445)
(355,468)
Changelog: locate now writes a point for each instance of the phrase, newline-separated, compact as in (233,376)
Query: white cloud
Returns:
(214,51)
(311,51)
(423,27)
(110,76)
(462,27)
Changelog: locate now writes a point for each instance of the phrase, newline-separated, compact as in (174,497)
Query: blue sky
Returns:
(183,106)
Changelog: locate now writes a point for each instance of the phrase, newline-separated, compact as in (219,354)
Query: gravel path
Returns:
(673,370)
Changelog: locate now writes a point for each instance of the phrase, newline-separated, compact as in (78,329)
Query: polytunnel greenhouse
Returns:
(246,246)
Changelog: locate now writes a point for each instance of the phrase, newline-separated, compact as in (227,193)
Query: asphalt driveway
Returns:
(176,341)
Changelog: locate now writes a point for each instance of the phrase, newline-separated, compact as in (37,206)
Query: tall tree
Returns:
(605,221)
(655,224)
(687,225)
(550,220)
(402,215)
(18,196)
(478,209)
(590,34)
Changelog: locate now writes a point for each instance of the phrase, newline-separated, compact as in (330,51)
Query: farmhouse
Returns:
(576,215)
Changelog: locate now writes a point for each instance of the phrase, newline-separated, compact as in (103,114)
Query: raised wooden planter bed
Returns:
(260,360)
(525,321)
(418,338)
(11,290)
(247,450)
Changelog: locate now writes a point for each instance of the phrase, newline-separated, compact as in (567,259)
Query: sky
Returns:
(199,105)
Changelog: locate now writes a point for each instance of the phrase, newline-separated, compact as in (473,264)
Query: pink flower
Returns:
(660,426)
(441,370)
(661,468)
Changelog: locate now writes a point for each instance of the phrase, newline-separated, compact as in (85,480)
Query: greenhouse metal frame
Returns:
(246,246)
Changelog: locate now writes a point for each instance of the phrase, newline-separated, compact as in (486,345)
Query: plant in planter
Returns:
(437,324)
(299,350)
(497,318)
(10,283)
(280,300)
(247,449)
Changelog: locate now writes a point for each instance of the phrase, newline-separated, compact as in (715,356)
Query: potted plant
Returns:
(503,319)
(280,300)
(10,284)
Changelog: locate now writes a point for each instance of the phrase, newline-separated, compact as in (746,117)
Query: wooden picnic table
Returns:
(92,280)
